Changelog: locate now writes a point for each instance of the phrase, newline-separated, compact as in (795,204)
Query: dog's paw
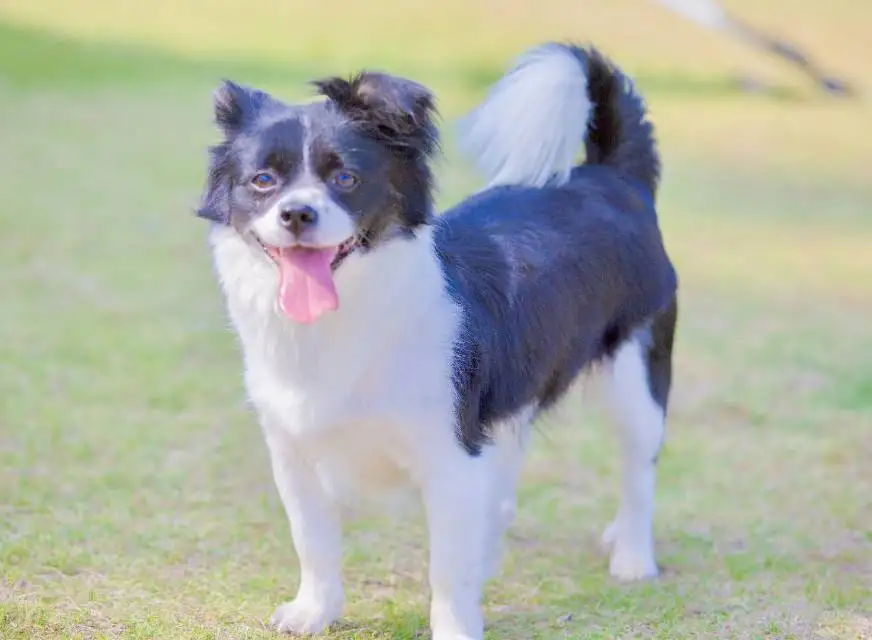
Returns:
(459,620)
(303,616)
(631,559)
(629,563)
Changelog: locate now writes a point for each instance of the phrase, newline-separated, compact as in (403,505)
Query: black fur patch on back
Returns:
(549,281)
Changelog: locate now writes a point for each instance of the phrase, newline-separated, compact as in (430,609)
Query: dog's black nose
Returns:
(297,218)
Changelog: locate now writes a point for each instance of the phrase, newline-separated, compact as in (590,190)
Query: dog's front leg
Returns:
(456,495)
(317,531)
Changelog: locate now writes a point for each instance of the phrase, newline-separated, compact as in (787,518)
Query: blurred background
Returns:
(135,495)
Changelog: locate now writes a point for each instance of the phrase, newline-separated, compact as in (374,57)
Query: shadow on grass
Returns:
(32,57)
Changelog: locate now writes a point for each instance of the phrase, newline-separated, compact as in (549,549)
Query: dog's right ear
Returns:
(236,105)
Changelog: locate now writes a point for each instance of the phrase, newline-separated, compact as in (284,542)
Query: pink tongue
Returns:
(306,287)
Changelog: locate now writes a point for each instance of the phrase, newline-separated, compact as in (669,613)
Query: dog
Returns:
(388,349)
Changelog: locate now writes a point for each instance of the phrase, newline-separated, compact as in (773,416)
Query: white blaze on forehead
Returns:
(307,144)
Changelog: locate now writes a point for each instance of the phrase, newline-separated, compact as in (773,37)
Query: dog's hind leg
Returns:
(510,441)
(638,389)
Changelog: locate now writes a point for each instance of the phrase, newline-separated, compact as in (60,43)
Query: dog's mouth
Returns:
(306,286)
(343,250)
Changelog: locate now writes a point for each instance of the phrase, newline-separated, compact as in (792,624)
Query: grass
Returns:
(135,499)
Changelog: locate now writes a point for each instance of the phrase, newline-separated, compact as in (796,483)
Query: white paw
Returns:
(631,559)
(456,623)
(632,563)
(303,616)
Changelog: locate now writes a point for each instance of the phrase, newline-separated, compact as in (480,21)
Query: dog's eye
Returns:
(345,180)
(263,180)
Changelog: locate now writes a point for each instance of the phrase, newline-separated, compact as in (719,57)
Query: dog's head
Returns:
(307,185)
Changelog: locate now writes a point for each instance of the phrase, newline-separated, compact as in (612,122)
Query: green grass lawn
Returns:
(135,495)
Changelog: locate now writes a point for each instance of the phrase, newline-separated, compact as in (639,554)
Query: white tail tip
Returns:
(529,129)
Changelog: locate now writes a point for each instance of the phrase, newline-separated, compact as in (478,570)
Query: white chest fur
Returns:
(366,391)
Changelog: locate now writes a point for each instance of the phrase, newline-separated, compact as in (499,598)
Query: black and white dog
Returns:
(388,348)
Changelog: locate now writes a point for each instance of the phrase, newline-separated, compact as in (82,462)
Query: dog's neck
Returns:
(378,290)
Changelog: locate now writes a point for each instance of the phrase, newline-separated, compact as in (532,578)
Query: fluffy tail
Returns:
(557,99)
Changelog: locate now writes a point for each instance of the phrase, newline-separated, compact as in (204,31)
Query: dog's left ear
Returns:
(395,110)
(215,201)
